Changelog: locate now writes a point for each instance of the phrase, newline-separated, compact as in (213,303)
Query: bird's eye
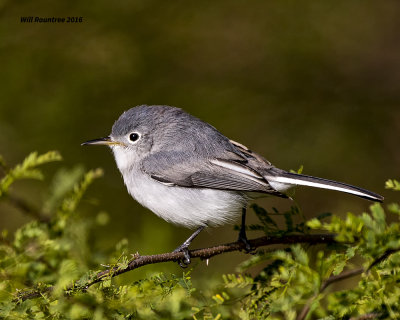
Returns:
(134,136)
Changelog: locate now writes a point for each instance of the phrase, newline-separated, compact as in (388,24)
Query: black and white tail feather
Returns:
(285,180)
(281,180)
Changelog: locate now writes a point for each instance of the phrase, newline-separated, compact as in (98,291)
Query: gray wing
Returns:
(233,169)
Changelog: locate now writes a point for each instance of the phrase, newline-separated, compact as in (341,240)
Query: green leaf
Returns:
(339,267)
(70,203)
(394,208)
(27,169)
(299,171)
(288,221)
(300,255)
(314,223)
(324,215)
(62,183)
(379,216)
(392,184)
(263,216)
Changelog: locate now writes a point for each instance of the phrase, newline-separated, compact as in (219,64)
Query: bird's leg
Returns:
(184,247)
(242,232)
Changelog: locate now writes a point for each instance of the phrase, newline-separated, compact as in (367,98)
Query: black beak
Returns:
(104,141)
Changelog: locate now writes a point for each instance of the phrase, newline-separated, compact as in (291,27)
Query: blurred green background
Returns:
(311,83)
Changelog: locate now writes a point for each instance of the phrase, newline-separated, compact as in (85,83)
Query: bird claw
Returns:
(248,248)
(184,248)
(184,263)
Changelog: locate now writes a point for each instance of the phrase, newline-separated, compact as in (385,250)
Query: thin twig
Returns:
(26,208)
(383,257)
(339,277)
(342,276)
(205,253)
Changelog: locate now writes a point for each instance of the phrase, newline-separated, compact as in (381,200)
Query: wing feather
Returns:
(215,173)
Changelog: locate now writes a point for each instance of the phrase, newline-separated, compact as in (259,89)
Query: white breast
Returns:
(189,207)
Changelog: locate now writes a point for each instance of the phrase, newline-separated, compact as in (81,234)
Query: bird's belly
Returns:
(189,207)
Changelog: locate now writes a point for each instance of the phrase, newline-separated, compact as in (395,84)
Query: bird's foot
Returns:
(248,248)
(183,263)
(184,248)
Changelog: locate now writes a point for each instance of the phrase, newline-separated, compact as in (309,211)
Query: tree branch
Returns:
(205,253)
(367,316)
(26,208)
(383,257)
(344,275)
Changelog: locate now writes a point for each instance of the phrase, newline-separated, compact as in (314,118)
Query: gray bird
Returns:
(189,174)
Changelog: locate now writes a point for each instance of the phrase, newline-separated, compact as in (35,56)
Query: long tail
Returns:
(283,180)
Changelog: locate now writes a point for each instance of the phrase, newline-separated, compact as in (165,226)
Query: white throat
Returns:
(122,158)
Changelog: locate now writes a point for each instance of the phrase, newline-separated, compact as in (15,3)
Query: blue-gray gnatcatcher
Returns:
(188,173)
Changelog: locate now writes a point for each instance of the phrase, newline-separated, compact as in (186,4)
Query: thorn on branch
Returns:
(135,255)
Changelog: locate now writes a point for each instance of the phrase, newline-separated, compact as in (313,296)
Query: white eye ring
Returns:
(134,137)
